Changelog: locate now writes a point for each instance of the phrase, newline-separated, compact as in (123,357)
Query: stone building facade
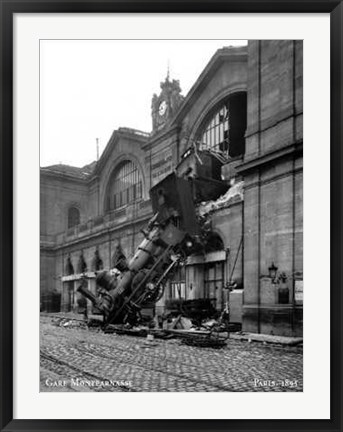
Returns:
(246,108)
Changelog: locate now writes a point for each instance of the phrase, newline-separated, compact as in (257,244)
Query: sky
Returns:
(89,88)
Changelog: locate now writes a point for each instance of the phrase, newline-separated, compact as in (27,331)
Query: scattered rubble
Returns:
(211,333)
(95,323)
(69,323)
(236,190)
(205,341)
(179,322)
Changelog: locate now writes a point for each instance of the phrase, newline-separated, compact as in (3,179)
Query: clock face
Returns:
(162,108)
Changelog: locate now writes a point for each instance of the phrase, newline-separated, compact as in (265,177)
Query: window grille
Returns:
(213,279)
(215,133)
(224,131)
(126,186)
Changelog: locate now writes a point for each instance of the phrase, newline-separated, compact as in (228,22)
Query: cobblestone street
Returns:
(77,359)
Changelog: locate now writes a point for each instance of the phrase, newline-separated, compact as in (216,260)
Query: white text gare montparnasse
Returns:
(80,382)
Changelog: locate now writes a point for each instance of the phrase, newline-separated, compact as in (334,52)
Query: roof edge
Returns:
(232,54)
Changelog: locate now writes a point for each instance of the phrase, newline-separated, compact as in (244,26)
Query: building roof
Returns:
(134,134)
(231,54)
(71,171)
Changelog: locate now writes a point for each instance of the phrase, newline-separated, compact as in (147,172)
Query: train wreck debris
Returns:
(176,231)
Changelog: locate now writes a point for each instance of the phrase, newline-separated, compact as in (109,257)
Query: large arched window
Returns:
(126,186)
(69,268)
(73,217)
(224,129)
(215,133)
(81,265)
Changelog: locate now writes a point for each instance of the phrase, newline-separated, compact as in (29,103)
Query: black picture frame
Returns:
(8,9)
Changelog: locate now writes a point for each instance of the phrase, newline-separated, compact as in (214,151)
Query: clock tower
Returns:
(164,106)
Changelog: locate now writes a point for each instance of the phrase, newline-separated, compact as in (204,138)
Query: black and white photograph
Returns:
(171,215)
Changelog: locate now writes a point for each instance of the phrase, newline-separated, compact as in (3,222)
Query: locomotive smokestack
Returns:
(85,292)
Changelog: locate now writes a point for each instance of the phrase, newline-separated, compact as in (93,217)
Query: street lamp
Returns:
(272,271)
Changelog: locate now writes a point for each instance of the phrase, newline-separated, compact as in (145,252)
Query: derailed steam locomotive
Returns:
(174,232)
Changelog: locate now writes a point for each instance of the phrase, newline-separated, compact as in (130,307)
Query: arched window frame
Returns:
(73,216)
(81,265)
(97,263)
(223,128)
(127,172)
(69,268)
(214,132)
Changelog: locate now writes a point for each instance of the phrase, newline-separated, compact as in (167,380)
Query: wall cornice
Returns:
(270,158)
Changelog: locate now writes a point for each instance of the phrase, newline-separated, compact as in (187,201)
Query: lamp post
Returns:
(272,272)
(279,280)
